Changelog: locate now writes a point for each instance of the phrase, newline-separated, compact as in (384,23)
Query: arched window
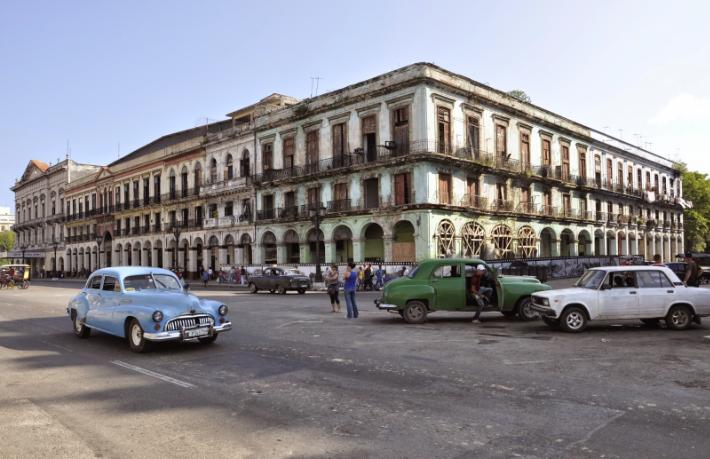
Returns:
(445,236)
(472,236)
(213,170)
(527,242)
(502,238)
(198,177)
(229,168)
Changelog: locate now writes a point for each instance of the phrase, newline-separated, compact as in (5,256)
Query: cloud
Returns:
(682,108)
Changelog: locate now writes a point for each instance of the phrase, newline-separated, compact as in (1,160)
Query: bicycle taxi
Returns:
(15,275)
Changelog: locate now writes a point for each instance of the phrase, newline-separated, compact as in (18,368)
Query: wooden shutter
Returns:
(338,139)
(525,148)
(444,127)
(546,154)
(500,140)
(369,125)
(312,147)
(444,196)
(399,189)
(401,129)
(473,134)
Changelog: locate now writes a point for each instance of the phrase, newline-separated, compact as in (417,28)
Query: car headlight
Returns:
(223,310)
(545,302)
(157,316)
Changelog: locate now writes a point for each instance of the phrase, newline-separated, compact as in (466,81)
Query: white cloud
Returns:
(683,107)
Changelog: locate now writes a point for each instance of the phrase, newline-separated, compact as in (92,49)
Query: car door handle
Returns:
(670,291)
(632,293)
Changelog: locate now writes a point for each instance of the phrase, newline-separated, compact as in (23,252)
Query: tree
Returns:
(696,188)
(520,95)
(7,240)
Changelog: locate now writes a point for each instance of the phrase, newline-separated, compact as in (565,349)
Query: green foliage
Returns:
(7,240)
(520,95)
(696,188)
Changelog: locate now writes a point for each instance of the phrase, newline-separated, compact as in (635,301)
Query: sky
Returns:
(99,79)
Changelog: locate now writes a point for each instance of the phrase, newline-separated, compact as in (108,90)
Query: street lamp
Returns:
(317,214)
(176,230)
(99,241)
(54,268)
(23,248)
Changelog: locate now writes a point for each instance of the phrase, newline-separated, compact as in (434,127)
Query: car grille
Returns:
(189,321)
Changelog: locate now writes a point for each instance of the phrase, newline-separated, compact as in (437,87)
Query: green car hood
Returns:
(508,280)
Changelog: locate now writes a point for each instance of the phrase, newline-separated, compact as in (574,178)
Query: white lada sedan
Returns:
(647,293)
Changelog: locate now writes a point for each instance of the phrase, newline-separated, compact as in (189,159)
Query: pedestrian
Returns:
(237,275)
(379,274)
(367,278)
(332,280)
(480,291)
(210,272)
(657,260)
(350,278)
(205,278)
(360,278)
(243,275)
(692,271)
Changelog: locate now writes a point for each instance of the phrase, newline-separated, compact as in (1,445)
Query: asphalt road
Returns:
(294,380)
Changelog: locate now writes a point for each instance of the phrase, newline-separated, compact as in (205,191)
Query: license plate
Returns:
(196,332)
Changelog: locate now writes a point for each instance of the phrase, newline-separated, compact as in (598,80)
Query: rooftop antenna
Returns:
(316,80)
(68,150)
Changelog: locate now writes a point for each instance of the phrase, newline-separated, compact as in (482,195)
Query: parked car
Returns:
(279,280)
(145,305)
(441,285)
(647,293)
(679,269)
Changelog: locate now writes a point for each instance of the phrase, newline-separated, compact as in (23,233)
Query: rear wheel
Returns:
(525,310)
(252,288)
(281,290)
(80,330)
(679,317)
(415,312)
(136,340)
(573,320)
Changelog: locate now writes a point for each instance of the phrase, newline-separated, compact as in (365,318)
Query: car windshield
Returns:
(591,279)
(151,282)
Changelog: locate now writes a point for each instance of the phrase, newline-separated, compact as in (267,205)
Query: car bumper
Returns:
(176,335)
(543,310)
(385,306)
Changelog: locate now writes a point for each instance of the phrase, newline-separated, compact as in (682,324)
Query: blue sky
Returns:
(103,73)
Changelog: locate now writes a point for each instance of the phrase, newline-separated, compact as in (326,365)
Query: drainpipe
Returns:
(254,196)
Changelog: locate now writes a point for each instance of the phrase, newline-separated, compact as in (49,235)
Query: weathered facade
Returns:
(415,163)
(39,213)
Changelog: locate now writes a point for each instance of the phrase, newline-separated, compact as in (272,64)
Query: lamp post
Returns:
(55,243)
(176,230)
(23,248)
(99,241)
(317,214)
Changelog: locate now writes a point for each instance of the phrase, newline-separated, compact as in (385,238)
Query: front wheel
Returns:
(80,330)
(136,340)
(415,312)
(252,288)
(301,291)
(573,320)
(679,317)
(281,290)
(525,310)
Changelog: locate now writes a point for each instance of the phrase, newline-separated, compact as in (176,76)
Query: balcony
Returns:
(340,205)
(216,187)
(266,214)
(290,213)
(502,205)
(548,211)
(569,213)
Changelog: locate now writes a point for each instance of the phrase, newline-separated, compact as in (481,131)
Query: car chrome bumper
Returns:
(177,334)
(385,306)
(543,310)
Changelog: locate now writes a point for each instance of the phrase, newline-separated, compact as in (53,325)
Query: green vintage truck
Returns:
(441,285)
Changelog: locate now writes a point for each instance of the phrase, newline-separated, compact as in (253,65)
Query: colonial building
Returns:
(39,212)
(7,219)
(415,163)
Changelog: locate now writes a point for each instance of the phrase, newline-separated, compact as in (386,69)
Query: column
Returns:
(206,257)
(358,248)
(281,255)
(192,261)
(330,251)
(389,252)
(573,247)
(257,254)
(238,256)
(221,256)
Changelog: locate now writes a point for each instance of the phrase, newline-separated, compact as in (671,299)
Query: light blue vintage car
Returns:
(145,305)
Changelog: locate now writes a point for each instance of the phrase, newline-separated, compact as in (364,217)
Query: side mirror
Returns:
(186,287)
(605,287)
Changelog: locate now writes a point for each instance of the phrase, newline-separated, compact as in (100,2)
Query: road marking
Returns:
(300,322)
(153,374)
